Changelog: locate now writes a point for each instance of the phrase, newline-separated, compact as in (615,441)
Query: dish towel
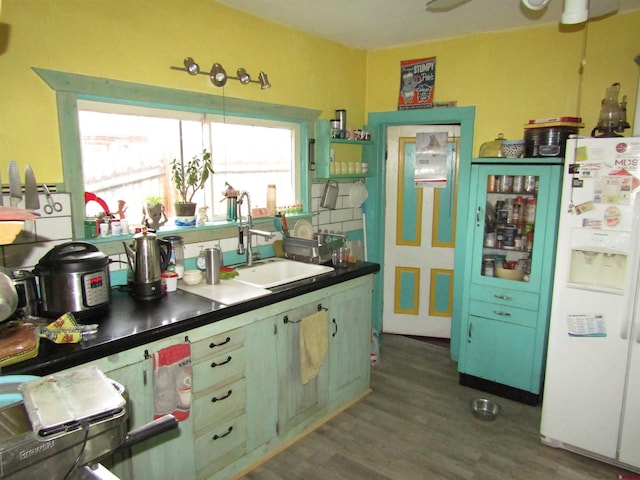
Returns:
(172,381)
(313,345)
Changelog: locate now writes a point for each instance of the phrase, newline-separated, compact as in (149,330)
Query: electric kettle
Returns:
(148,257)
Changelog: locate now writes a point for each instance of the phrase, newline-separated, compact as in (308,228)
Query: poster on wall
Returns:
(431,167)
(417,80)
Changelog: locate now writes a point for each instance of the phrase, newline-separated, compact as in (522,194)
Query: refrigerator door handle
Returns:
(630,315)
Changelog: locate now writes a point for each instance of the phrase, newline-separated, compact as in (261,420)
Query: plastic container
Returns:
(271,200)
(547,141)
(176,254)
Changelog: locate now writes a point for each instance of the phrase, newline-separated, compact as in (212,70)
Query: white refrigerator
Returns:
(591,399)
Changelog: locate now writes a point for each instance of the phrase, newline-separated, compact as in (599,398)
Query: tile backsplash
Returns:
(42,234)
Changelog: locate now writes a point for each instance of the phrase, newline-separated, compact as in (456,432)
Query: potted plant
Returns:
(189,177)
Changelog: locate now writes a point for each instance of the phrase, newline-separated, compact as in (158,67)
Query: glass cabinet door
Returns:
(508,200)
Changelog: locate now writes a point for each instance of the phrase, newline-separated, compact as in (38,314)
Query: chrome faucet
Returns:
(249,229)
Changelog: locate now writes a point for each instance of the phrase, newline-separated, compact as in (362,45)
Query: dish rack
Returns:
(316,250)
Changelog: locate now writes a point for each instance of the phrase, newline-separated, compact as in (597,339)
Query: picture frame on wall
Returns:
(417,82)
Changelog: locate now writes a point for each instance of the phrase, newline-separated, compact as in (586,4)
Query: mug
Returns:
(350,134)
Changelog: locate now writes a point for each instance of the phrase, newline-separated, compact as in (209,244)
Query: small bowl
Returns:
(485,409)
(507,274)
(192,277)
(512,148)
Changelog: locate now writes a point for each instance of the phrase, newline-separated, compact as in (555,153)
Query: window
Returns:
(127,154)
(73,89)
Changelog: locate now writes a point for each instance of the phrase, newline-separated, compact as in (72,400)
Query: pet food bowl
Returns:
(485,409)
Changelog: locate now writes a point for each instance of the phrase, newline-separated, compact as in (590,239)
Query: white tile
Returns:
(26,256)
(342,215)
(27,234)
(53,228)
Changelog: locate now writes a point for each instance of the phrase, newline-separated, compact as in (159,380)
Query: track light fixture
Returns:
(218,74)
(192,67)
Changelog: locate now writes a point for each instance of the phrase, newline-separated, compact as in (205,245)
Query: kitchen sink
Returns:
(278,271)
(255,281)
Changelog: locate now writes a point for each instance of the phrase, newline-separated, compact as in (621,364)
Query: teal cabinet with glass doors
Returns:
(508,277)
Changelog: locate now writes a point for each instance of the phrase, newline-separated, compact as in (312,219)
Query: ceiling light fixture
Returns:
(218,74)
(264,81)
(575,11)
(243,76)
(192,67)
(535,4)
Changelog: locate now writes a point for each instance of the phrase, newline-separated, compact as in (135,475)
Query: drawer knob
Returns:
(217,399)
(214,345)
(216,436)
(214,364)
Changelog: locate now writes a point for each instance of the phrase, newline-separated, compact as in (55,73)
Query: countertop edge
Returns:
(68,356)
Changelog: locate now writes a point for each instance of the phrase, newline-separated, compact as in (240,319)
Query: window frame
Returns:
(70,87)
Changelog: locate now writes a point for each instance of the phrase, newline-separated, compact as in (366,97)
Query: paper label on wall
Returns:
(586,326)
(431,159)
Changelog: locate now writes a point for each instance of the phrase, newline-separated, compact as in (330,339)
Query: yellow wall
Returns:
(510,77)
(137,41)
(518,75)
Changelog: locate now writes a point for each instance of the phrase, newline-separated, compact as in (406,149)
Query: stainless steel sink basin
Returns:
(278,271)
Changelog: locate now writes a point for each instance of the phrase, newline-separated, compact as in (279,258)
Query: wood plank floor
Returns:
(417,425)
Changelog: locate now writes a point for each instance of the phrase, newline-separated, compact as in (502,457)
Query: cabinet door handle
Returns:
(478,217)
(335,327)
(217,399)
(503,314)
(216,436)
(214,345)
(469,332)
(214,364)
(503,297)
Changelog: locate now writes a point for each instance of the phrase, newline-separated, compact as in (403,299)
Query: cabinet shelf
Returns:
(323,153)
(346,141)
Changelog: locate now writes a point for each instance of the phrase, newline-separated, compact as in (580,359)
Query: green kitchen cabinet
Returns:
(298,402)
(349,342)
(248,400)
(508,274)
(163,456)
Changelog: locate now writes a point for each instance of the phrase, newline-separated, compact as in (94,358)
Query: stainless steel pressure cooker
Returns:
(74,277)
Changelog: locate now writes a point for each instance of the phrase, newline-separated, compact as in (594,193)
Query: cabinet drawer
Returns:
(217,344)
(503,313)
(215,406)
(220,446)
(504,296)
(219,369)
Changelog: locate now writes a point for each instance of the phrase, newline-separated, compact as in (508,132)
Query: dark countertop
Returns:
(132,323)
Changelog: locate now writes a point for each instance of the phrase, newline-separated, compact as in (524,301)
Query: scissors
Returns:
(51,203)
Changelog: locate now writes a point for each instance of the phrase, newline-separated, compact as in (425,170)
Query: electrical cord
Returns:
(85,426)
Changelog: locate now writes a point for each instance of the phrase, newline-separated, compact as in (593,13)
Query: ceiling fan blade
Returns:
(444,5)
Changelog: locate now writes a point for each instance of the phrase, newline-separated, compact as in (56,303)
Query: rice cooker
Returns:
(74,277)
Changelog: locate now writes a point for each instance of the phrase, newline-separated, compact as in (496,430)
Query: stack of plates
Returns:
(303,229)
